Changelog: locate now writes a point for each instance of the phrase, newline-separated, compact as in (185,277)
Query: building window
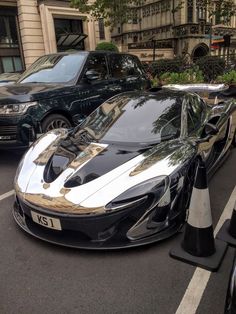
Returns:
(146,11)
(190,11)
(10,64)
(134,17)
(201,9)
(218,13)
(8,32)
(10,53)
(101,29)
(68,26)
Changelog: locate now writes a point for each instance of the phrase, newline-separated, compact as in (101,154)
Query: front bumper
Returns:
(17,131)
(106,231)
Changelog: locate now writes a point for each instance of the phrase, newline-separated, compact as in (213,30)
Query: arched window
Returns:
(190,11)
(201,9)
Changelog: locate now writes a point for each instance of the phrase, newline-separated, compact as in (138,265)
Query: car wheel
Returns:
(55,121)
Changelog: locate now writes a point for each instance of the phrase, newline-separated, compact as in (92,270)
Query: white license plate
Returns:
(48,222)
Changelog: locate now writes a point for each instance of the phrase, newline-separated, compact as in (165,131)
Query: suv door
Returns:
(127,73)
(95,86)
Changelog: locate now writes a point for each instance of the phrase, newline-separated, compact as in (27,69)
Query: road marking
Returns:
(198,283)
(7,194)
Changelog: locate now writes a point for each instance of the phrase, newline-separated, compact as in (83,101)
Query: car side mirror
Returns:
(211,129)
(92,75)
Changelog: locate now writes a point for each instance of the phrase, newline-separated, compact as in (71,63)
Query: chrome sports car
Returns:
(124,177)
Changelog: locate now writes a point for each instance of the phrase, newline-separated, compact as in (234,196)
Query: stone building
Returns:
(32,28)
(155,32)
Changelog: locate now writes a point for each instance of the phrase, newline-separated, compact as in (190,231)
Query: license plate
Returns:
(46,221)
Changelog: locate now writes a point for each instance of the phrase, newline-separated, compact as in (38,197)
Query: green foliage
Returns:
(227,78)
(112,11)
(211,67)
(223,9)
(107,46)
(188,76)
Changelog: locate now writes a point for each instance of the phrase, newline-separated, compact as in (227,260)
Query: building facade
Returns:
(158,30)
(32,28)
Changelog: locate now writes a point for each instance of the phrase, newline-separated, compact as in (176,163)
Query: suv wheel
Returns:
(55,121)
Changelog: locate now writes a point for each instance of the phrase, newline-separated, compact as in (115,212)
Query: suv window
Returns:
(97,63)
(123,66)
(195,113)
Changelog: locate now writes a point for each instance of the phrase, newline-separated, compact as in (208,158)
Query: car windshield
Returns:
(54,69)
(145,118)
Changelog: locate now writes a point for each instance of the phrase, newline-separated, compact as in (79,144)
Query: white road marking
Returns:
(198,283)
(7,194)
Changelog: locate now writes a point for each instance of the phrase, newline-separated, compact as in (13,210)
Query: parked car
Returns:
(8,78)
(60,90)
(124,176)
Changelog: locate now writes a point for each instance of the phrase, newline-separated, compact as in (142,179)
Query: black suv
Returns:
(59,90)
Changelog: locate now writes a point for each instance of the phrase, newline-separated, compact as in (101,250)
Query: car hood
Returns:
(60,174)
(19,93)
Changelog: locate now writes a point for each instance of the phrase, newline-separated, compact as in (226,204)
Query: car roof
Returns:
(89,52)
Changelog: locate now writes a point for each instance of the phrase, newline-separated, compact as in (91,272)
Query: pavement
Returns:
(37,277)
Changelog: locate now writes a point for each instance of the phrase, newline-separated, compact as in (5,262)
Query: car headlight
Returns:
(15,109)
(135,196)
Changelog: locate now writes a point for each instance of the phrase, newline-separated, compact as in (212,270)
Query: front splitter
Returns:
(62,239)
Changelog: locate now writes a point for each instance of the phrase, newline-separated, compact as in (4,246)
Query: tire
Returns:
(55,121)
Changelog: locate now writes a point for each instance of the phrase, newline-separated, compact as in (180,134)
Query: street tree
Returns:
(112,11)
(223,9)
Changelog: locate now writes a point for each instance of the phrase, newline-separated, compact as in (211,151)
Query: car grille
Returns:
(8,132)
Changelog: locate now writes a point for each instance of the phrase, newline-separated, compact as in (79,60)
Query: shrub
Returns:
(107,46)
(227,78)
(211,67)
(186,77)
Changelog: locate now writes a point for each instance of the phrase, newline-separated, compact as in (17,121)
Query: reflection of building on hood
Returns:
(108,114)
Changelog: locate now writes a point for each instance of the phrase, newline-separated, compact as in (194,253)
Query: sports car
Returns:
(124,176)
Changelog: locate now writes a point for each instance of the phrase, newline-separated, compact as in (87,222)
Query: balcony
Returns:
(191,30)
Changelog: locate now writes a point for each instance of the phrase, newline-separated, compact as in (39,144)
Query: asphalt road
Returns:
(36,277)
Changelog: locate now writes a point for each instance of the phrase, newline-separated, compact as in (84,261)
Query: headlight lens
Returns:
(15,109)
(138,194)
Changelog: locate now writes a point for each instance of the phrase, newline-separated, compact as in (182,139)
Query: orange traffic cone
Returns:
(198,246)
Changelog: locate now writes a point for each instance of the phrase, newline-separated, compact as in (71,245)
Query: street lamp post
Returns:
(154,48)
(210,37)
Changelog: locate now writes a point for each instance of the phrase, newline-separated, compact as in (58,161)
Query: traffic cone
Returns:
(227,232)
(198,246)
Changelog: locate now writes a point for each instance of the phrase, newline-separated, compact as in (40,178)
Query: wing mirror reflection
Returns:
(92,75)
